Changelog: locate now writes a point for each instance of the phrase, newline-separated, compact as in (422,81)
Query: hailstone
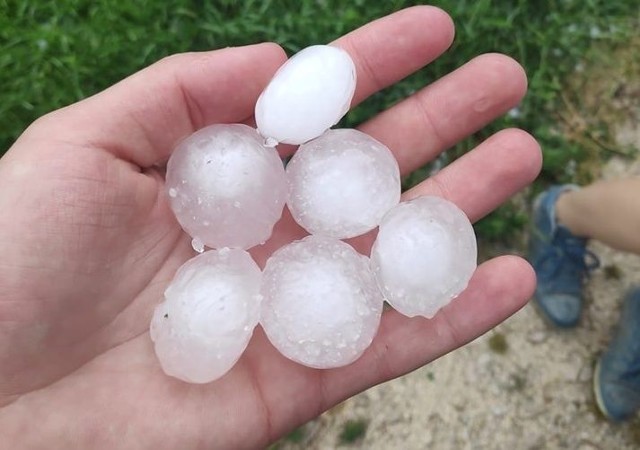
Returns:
(310,93)
(424,255)
(208,316)
(321,307)
(342,184)
(225,187)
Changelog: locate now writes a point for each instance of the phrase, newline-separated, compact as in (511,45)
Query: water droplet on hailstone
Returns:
(207,318)
(424,255)
(310,93)
(342,184)
(197,245)
(217,168)
(313,290)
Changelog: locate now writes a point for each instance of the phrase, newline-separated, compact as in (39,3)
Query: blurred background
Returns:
(53,53)
(509,389)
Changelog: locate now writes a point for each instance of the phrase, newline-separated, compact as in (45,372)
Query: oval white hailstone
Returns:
(321,307)
(207,318)
(310,93)
(424,255)
(342,184)
(225,187)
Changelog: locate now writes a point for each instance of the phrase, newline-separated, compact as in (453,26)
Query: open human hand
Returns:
(89,244)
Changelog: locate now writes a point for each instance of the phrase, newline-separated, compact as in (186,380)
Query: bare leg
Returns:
(608,211)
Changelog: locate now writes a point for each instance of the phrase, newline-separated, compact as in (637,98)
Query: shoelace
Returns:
(572,255)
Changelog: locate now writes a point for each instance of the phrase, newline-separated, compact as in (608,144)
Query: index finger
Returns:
(393,47)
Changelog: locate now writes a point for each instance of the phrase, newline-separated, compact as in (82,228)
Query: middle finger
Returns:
(441,114)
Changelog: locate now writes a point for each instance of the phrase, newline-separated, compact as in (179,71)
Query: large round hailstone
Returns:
(225,187)
(321,307)
(342,184)
(310,93)
(207,318)
(424,255)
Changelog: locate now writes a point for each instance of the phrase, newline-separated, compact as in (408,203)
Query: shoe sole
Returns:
(598,394)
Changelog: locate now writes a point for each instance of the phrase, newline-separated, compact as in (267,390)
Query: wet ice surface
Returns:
(216,180)
(342,183)
(310,93)
(322,302)
(208,316)
(424,255)
(321,306)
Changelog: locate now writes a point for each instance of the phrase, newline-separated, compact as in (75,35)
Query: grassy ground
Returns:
(53,53)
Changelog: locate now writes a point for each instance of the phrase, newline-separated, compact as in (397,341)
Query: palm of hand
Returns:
(90,245)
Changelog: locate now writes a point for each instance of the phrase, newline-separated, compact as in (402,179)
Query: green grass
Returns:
(498,343)
(352,431)
(53,53)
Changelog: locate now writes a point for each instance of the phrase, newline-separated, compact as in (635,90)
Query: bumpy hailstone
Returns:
(424,255)
(310,93)
(225,187)
(321,306)
(342,184)
(207,318)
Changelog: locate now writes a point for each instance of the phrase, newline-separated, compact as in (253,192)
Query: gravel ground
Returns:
(521,386)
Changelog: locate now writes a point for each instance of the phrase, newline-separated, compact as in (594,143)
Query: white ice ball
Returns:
(207,318)
(424,255)
(321,307)
(225,187)
(342,184)
(310,93)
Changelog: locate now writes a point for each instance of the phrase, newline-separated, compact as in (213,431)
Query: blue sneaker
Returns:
(617,376)
(560,261)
